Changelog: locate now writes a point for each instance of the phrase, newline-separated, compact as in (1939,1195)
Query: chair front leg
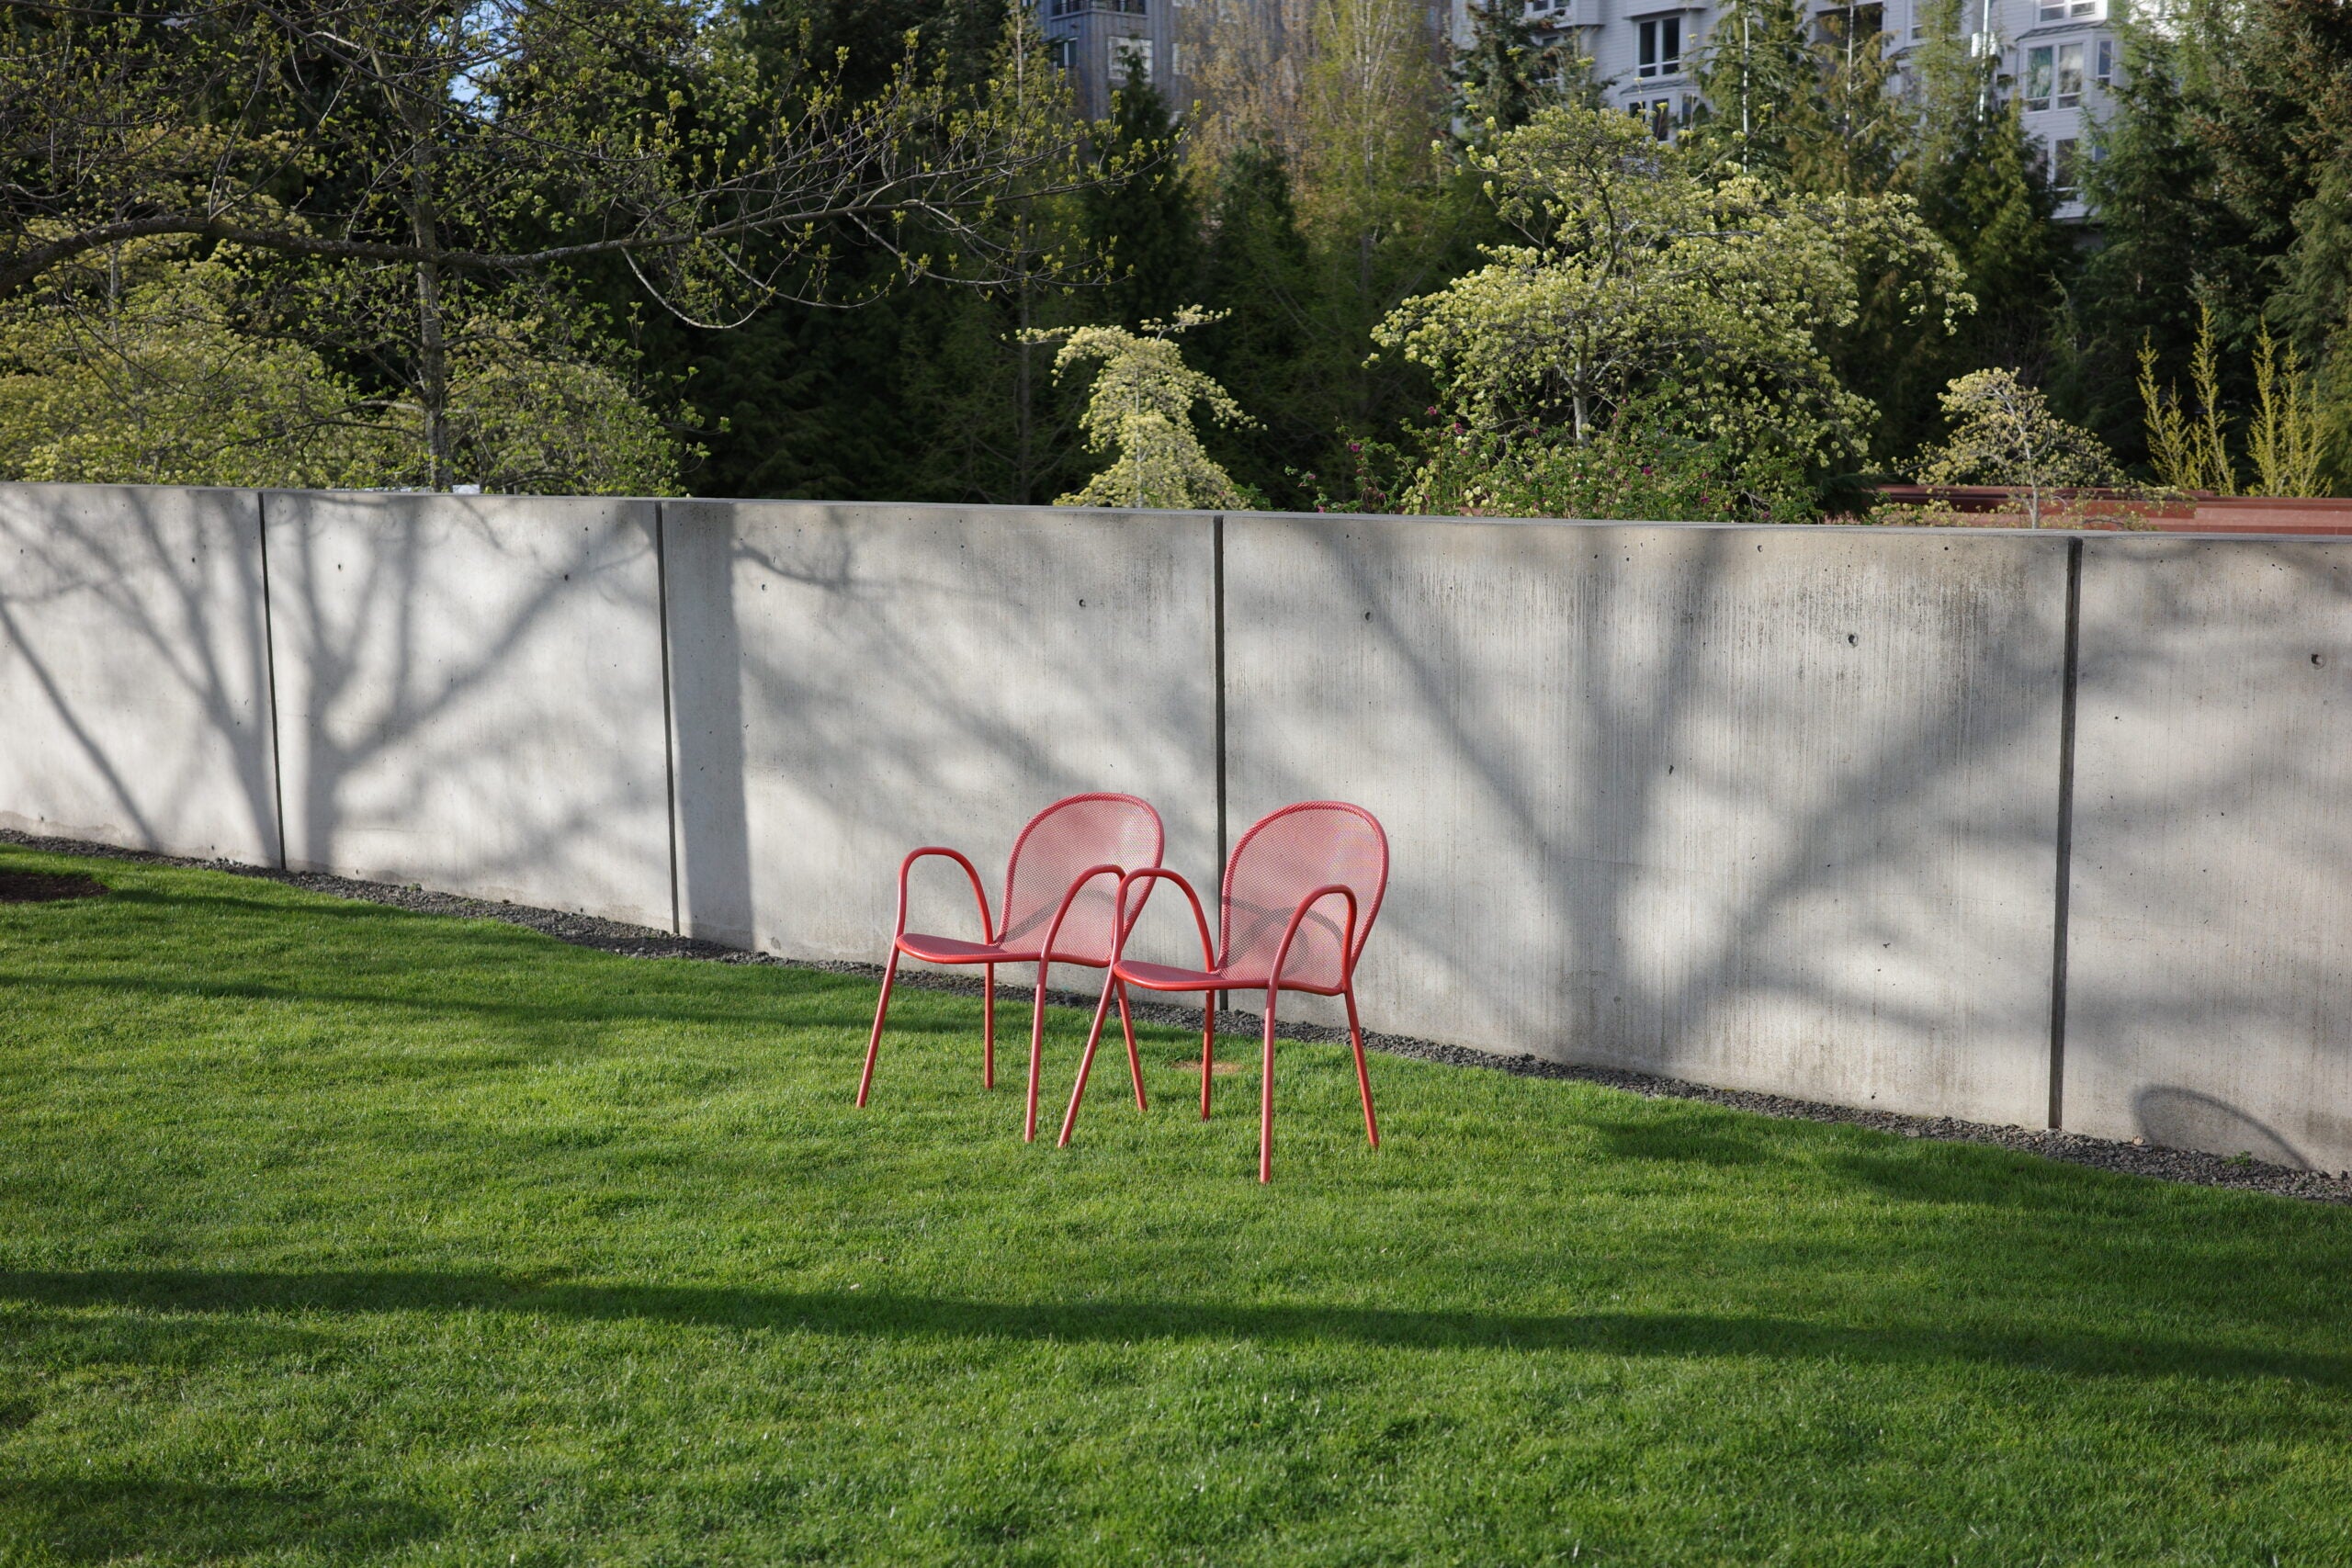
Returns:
(1086,1062)
(988,1026)
(1364,1080)
(881,1012)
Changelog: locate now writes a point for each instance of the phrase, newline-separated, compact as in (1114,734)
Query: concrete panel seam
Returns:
(1217,635)
(269,665)
(669,701)
(2063,885)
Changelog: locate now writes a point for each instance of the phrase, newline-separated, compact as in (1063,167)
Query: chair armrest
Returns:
(1045,952)
(1298,917)
(1149,876)
(979,896)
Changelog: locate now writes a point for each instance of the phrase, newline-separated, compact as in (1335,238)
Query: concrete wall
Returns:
(852,681)
(134,670)
(1773,808)
(470,696)
(2207,1001)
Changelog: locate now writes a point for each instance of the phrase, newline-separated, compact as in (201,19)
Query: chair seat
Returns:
(1169,978)
(954,949)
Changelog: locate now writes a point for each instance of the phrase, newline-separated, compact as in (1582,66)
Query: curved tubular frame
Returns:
(1355,1033)
(890,974)
(1046,963)
(1111,984)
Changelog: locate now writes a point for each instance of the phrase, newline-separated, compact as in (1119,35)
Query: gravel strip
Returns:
(640,941)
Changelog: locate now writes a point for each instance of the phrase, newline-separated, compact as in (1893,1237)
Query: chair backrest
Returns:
(1285,856)
(1062,841)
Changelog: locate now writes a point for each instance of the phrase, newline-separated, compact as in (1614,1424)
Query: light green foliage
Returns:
(2286,439)
(1631,471)
(145,369)
(2189,448)
(523,422)
(1140,412)
(133,371)
(2003,433)
(335,1236)
(1646,287)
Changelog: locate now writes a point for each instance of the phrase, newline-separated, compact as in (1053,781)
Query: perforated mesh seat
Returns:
(1061,887)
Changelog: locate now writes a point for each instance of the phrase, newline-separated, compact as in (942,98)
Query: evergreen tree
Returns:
(1505,73)
(2170,247)
(1761,82)
(1142,223)
(1979,183)
(1256,271)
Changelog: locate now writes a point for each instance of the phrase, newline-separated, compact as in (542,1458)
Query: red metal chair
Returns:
(1301,893)
(1058,909)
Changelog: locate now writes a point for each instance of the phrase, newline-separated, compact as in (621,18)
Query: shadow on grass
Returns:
(1681,1336)
(110,1519)
(804,1000)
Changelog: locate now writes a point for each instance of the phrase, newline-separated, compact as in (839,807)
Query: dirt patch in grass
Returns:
(47,888)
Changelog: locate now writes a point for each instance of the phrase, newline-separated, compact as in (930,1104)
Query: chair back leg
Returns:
(1134,1061)
(988,1026)
(1364,1080)
(1208,1047)
(1266,1098)
(881,1012)
(1086,1062)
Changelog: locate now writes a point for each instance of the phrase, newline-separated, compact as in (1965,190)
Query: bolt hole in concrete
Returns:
(47,888)
(2319,660)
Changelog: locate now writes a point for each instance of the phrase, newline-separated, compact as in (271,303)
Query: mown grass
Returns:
(332,1234)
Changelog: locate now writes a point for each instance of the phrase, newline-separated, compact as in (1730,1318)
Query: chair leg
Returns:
(1134,1061)
(1266,1101)
(1208,1048)
(987,1027)
(1086,1062)
(881,1012)
(1036,1044)
(1364,1080)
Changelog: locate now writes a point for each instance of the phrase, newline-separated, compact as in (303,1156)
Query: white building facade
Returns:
(2058,56)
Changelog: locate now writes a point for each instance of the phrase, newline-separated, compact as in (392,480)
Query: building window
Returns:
(2104,57)
(2069,10)
(2070,76)
(2038,65)
(1846,25)
(1660,53)
(1062,52)
(2064,161)
(1130,53)
(1546,10)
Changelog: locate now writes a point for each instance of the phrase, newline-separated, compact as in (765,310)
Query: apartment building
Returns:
(1098,41)
(2057,56)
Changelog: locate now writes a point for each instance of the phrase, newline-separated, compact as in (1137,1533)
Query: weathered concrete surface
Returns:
(470,696)
(1771,809)
(134,674)
(851,681)
(2208,946)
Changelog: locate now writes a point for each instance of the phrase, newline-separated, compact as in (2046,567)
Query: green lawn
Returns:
(331,1233)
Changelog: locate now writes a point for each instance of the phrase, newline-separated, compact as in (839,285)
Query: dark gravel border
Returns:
(639,942)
